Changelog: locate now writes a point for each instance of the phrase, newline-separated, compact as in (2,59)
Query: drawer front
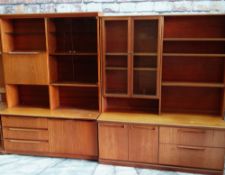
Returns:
(24,122)
(191,156)
(186,136)
(25,134)
(25,145)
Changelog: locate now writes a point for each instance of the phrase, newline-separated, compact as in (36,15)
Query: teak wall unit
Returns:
(144,91)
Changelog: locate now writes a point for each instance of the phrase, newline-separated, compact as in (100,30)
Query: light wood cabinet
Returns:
(113,141)
(73,137)
(143,143)
(136,143)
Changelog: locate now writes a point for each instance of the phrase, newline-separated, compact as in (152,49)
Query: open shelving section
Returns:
(51,62)
(131,63)
(193,77)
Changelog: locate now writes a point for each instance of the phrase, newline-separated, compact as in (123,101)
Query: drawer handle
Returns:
(24,141)
(22,129)
(191,148)
(114,125)
(143,127)
(192,131)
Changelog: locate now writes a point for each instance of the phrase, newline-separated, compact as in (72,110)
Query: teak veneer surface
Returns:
(185,120)
(62,113)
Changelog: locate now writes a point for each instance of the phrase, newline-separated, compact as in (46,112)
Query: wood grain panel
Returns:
(24,122)
(82,141)
(113,141)
(143,143)
(25,68)
(25,145)
(189,156)
(25,134)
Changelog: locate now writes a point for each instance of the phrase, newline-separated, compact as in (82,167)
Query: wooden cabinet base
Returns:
(161,167)
(48,154)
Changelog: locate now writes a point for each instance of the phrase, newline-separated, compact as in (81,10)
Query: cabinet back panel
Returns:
(194,26)
(131,105)
(191,100)
(116,81)
(36,96)
(145,35)
(84,98)
(207,47)
(116,61)
(193,69)
(82,69)
(76,34)
(116,36)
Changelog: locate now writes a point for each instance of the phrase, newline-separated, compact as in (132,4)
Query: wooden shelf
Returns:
(145,96)
(116,95)
(75,84)
(145,54)
(23,52)
(116,68)
(192,55)
(145,69)
(185,120)
(72,54)
(64,113)
(194,84)
(194,39)
(116,54)
(25,33)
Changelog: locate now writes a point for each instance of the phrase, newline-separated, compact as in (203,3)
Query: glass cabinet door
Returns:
(115,57)
(145,57)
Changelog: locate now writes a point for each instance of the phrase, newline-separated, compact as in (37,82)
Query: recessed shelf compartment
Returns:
(74,69)
(192,69)
(27,96)
(194,27)
(68,97)
(131,105)
(193,47)
(196,100)
(67,36)
(23,35)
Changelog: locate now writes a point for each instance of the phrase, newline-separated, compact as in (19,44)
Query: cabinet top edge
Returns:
(51,15)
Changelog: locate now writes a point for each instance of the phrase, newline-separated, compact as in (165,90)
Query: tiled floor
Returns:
(28,165)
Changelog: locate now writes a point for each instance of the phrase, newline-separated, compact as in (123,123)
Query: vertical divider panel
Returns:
(130,56)
(160,60)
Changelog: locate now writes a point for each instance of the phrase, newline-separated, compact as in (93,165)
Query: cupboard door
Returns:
(113,141)
(73,137)
(143,143)
(145,56)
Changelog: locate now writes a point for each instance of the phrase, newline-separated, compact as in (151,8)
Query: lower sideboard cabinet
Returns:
(50,137)
(128,142)
(191,147)
(73,137)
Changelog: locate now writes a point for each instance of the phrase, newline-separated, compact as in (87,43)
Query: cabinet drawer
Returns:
(25,145)
(25,134)
(190,136)
(191,156)
(24,122)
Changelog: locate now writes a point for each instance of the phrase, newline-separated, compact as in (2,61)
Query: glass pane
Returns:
(144,82)
(116,61)
(116,36)
(145,36)
(116,81)
(145,62)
